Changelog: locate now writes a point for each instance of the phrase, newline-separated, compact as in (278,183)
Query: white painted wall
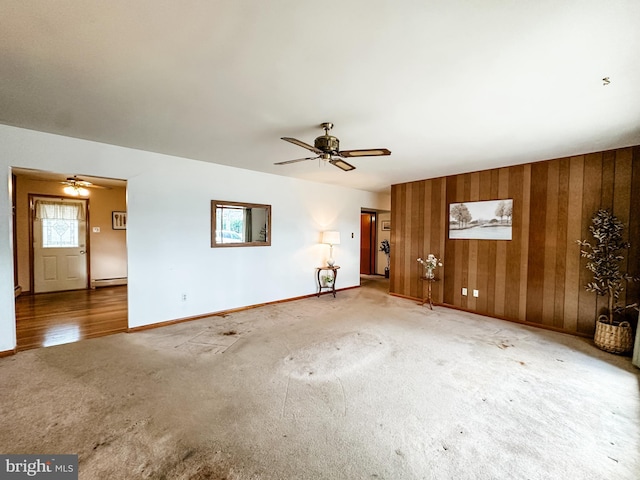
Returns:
(168,228)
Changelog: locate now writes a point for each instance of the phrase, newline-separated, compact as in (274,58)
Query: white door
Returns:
(59,245)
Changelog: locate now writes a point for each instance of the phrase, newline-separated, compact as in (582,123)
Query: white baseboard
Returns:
(108,282)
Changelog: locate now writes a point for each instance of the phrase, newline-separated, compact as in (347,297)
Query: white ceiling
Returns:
(448,86)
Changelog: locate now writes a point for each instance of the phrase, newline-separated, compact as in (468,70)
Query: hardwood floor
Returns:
(48,319)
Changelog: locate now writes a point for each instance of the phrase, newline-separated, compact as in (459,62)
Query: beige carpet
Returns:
(363,386)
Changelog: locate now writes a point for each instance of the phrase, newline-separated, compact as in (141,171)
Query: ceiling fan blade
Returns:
(296,160)
(77,182)
(300,143)
(341,164)
(370,152)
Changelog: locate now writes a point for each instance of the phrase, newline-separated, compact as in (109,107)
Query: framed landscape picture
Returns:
(488,220)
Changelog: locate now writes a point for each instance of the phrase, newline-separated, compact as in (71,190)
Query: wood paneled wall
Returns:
(538,277)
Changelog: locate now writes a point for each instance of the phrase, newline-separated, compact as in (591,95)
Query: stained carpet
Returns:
(363,386)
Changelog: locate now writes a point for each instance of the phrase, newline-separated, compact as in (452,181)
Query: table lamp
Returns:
(332,238)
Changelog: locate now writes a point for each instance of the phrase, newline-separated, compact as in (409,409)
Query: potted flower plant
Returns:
(604,255)
(430,264)
(386,248)
(327,280)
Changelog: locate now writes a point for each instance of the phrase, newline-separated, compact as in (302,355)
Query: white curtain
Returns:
(65,211)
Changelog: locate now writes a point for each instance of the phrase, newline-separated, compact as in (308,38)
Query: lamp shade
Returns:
(331,238)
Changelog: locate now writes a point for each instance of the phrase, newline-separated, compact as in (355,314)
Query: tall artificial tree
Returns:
(604,257)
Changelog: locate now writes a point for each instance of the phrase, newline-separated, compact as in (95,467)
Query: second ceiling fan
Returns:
(327,147)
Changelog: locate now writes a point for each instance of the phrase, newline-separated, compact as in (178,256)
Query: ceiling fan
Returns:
(77,187)
(327,147)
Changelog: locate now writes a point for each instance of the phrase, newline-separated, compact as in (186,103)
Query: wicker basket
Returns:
(613,338)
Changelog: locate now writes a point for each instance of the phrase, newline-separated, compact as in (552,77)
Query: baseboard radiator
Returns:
(108,282)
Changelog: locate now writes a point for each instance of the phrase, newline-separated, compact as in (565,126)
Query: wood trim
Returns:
(30,208)
(8,353)
(227,312)
(373,241)
(14,227)
(368,242)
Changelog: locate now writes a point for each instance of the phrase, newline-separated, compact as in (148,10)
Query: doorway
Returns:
(59,248)
(70,262)
(368,243)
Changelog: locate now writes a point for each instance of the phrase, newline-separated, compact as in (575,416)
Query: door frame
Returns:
(32,213)
(14,233)
(373,239)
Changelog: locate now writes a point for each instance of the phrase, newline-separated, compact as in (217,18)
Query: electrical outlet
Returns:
(464,292)
(476,293)
(96,229)
(184,297)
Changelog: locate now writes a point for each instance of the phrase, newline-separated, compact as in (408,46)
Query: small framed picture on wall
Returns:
(386,224)
(119,220)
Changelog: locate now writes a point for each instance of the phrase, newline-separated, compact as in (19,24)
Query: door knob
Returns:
(82,252)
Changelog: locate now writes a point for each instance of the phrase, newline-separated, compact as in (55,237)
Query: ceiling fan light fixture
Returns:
(76,191)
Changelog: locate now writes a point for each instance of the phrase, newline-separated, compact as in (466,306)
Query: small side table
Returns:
(428,299)
(334,269)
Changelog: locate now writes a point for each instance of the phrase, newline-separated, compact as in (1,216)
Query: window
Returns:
(59,223)
(235,224)
(59,233)
(230,223)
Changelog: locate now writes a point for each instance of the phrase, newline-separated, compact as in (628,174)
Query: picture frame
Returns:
(240,224)
(481,220)
(386,225)
(118,220)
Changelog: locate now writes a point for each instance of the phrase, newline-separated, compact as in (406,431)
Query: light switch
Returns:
(464,292)
(96,229)
(476,293)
